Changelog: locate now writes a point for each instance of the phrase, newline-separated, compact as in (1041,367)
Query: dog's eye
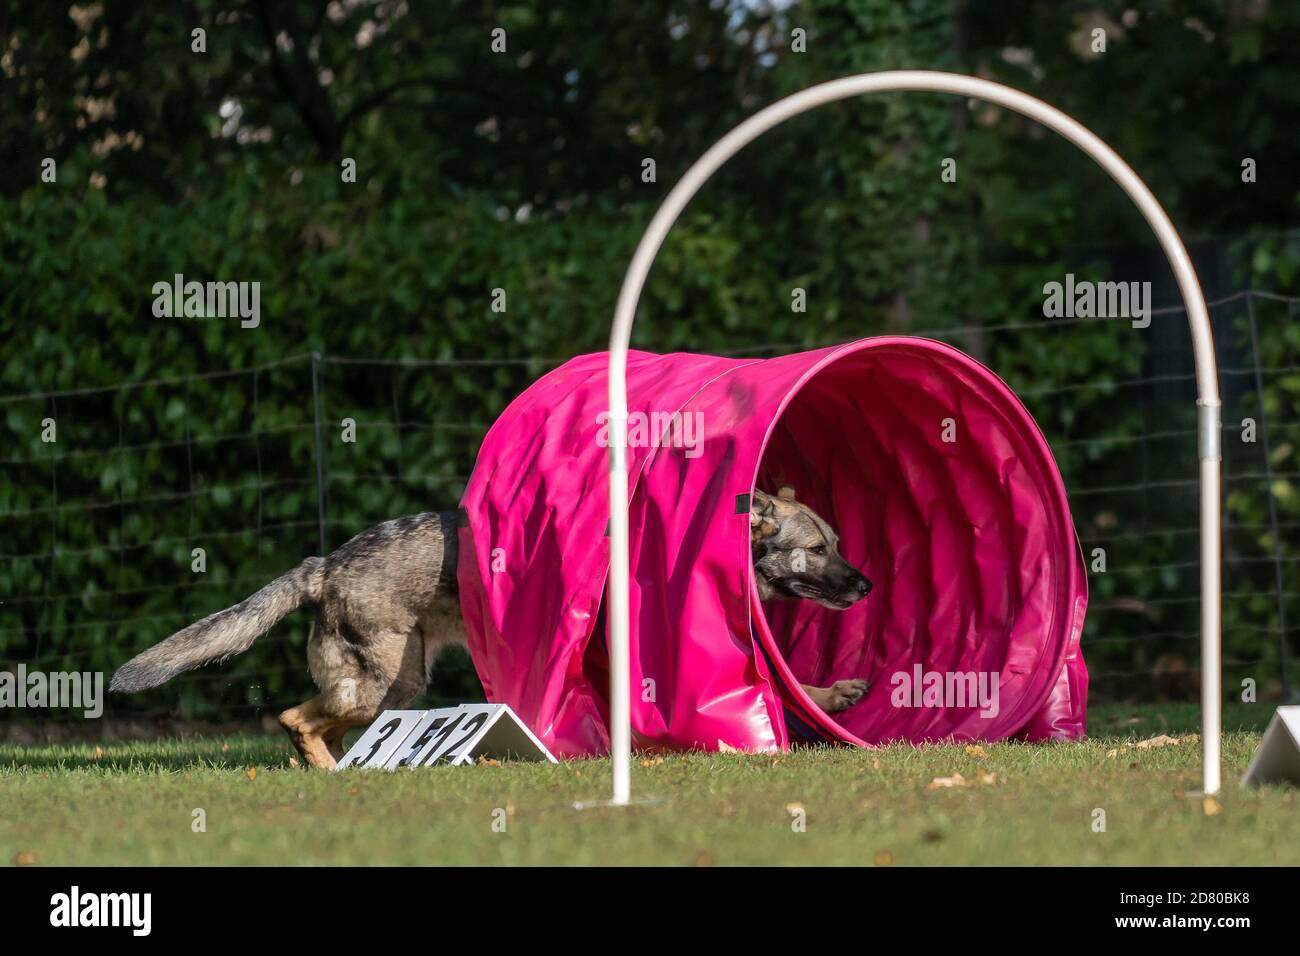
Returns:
(820,549)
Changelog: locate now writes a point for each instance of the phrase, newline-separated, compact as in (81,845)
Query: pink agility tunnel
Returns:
(941,487)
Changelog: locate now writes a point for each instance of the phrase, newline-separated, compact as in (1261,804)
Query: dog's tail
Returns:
(223,634)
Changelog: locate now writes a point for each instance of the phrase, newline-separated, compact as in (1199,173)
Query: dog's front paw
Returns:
(843,694)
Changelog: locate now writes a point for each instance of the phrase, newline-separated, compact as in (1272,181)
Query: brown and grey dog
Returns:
(796,555)
(386,606)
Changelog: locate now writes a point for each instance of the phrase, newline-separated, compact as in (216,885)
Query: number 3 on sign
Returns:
(382,739)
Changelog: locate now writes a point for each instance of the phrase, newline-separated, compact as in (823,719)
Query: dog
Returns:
(796,555)
(386,605)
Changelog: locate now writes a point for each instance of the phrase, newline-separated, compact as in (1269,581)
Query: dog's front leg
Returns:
(841,695)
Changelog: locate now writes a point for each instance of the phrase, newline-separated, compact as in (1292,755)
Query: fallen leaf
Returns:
(252,773)
(793,808)
(726,748)
(1160,740)
(24,858)
(489,762)
(1112,753)
(939,783)
(985,777)
(931,836)
(650,763)
(1211,807)
(875,763)
(975,750)
(884,858)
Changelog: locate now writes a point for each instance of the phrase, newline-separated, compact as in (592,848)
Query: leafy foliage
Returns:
(522,171)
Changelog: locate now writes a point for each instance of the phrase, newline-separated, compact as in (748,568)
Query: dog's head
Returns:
(795,554)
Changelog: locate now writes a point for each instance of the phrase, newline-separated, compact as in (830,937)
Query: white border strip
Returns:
(620,336)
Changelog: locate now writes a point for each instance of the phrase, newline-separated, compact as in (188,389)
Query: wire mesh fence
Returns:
(129,511)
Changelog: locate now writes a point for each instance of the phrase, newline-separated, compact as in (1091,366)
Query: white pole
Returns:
(1207,384)
(1208,416)
(620,714)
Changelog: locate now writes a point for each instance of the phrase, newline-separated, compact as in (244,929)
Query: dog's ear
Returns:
(786,493)
(762,517)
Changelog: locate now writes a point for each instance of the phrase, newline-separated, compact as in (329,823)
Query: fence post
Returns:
(1278,578)
(319,451)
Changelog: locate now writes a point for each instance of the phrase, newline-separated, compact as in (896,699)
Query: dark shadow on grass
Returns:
(164,755)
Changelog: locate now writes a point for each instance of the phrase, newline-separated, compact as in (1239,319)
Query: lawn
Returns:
(135,803)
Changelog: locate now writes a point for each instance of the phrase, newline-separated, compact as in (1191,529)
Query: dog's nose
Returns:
(864,586)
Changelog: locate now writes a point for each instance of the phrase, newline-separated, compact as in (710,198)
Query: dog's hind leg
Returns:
(307,724)
(382,664)
(318,726)
(334,740)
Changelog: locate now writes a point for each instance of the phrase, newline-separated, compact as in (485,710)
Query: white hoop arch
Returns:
(1207,383)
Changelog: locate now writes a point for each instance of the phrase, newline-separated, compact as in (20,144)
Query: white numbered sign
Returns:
(381,740)
(445,735)
(502,737)
(452,730)
(426,729)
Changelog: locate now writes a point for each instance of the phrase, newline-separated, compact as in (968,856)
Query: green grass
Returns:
(133,805)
